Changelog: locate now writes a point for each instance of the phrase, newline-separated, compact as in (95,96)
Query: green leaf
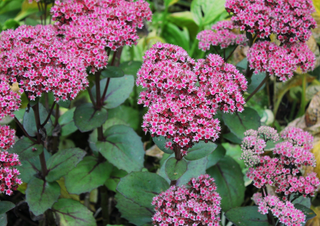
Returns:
(112,184)
(229,180)
(123,148)
(247,216)
(141,187)
(10,24)
(256,80)
(87,118)
(160,141)
(26,149)
(175,36)
(69,212)
(64,103)
(66,122)
(127,114)
(231,137)
(62,162)
(27,9)
(40,195)
(200,150)
(119,90)
(234,151)
(112,72)
(206,11)
(175,169)
(194,169)
(238,123)
(215,156)
(93,137)
(134,213)
(307,211)
(184,19)
(168,3)
(29,168)
(87,175)
(130,67)
(5,206)
(3,220)
(29,122)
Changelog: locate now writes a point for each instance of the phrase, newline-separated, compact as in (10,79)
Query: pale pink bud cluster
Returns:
(184,95)
(40,62)
(9,100)
(254,143)
(111,22)
(198,203)
(290,20)
(280,61)
(284,211)
(7,137)
(220,35)
(283,169)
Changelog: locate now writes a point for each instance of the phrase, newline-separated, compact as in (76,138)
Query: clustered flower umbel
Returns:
(289,20)
(34,57)
(100,24)
(183,95)
(221,34)
(283,169)
(9,180)
(284,211)
(10,100)
(198,203)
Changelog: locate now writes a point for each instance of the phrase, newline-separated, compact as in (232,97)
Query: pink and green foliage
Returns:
(85,145)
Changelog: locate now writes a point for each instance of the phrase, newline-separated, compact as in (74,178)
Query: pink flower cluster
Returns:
(280,61)
(7,137)
(221,34)
(284,211)
(184,95)
(40,62)
(198,203)
(8,174)
(9,180)
(291,20)
(112,23)
(10,100)
(283,170)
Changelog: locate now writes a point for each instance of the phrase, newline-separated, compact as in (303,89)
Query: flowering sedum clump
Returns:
(198,203)
(281,168)
(183,95)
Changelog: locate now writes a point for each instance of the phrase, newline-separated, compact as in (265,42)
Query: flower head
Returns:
(7,137)
(284,211)
(112,22)
(280,61)
(10,100)
(9,180)
(221,34)
(198,203)
(40,62)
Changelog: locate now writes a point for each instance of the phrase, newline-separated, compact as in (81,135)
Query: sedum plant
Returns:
(190,108)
